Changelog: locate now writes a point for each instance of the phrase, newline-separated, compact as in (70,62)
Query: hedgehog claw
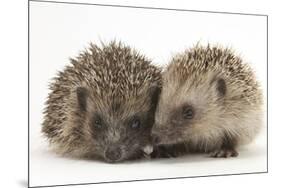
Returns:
(226,153)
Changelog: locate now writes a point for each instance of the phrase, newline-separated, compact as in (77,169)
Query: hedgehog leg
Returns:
(227,149)
(171,151)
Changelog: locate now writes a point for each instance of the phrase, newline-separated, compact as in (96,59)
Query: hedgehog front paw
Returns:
(163,152)
(220,153)
(168,151)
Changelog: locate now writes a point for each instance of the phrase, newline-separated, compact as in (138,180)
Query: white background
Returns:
(60,31)
(14,95)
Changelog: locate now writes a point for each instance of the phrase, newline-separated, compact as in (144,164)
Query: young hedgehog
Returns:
(103,105)
(210,102)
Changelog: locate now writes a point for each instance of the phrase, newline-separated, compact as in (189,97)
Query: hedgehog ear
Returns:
(221,87)
(82,95)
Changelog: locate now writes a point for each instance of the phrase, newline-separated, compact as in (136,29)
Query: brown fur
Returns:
(111,85)
(225,97)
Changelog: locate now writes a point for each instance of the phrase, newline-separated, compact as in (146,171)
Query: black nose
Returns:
(155,139)
(113,154)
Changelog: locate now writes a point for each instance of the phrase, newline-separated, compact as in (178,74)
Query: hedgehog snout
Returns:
(156,133)
(155,139)
(113,154)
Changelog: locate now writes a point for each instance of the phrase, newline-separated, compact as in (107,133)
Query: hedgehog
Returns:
(211,102)
(102,105)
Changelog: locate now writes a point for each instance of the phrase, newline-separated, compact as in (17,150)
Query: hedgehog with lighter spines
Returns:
(102,105)
(210,102)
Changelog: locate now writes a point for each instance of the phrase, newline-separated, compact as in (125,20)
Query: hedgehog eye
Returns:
(135,124)
(97,124)
(187,112)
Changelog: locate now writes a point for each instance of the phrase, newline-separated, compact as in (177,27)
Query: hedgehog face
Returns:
(116,130)
(185,108)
